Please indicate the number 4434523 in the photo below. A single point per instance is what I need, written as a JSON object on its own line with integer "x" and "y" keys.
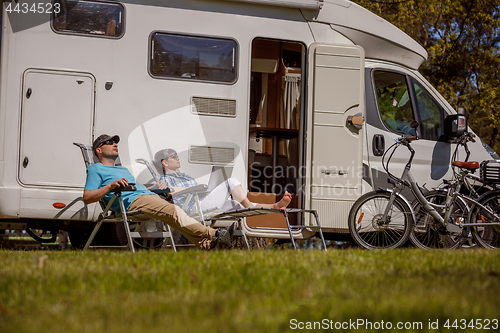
{"x": 35, "y": 8}
{"x": 462, "y": 324}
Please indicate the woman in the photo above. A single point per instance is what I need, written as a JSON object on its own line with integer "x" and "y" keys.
{"x": 167, "y": 161}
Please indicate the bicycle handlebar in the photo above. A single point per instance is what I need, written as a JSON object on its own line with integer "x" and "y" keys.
{"x": 405, "y": 140}
{"x": 466, "y": 137}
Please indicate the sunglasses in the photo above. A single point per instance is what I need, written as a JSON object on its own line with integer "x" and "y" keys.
{"x": 174, "y": 156}
{"x": 106, "y": 143}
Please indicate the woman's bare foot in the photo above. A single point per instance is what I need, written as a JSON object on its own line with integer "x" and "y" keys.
{"x": 284, "y": 202}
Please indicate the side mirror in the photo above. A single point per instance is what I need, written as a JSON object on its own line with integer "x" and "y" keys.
{"x": 455, "y": 125}
{"x": 462, "y": 111}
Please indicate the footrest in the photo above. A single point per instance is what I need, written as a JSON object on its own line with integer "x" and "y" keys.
{"x": 247, "y": 212}
{"x": 108, "y": 247}
{"x": 145, "y": 234}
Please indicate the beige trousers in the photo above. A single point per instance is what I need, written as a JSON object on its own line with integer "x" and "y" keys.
{"x": 157, "y": 208}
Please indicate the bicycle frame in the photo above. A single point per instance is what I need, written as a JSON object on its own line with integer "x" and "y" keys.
{"x": 428, "y": 206}
{"x": 451, "y": 196}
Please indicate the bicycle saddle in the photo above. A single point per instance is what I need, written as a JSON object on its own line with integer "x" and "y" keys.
{"x": 466, "y": 165}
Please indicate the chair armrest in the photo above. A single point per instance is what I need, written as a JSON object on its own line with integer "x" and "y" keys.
{"x": 193, "y": 189}
{"x": 129, "y": 187}
{"x": 158, "y": 191}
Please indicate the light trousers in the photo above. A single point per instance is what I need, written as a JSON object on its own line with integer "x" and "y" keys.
{"x": 157, "y": 208}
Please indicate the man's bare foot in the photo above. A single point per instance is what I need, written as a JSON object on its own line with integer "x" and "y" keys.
{"x": 284, "y": 202}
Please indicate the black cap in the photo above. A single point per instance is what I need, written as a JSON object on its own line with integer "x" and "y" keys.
{"x": 103, "y": 138}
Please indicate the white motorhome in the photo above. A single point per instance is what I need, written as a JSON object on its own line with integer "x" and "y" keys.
{"x": 273, "y": 89}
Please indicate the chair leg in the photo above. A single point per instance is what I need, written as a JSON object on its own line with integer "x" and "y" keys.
{"x": 92, "y": 235}
{"x": 172, "y": 242}
{"x": 289, "y": 230}
{"x": 320, "y": 231}
{"x": 125, "y": 224}
{"x": 246, "y": 240}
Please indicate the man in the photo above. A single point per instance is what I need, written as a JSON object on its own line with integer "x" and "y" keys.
{"x": 103, "y": 177}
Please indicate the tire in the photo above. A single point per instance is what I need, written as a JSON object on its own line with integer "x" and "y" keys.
{"x": 428, "y": 233}
{"x": 365, "y": 223}
{"x": 78, "y": 236}
{"x": 489, "y": 235}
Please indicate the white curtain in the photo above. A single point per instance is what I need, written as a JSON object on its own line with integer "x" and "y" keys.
{"x": 290, "y": 108}
{"x": 290, "y": 111}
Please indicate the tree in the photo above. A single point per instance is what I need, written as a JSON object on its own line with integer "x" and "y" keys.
{"x": 462, "y": 38}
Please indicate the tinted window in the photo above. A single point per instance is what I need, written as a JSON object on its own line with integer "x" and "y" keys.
{"x": 394, "y": 101}
{"x": 89, "y": 18}
{"x": 190, "y": 57}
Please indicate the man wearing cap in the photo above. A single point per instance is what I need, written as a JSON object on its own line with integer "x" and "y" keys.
{"x": 105, "y": 176}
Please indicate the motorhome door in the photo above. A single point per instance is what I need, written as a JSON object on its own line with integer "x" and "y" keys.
{"x": 57, "y": 110}
{"x": 336, "y": 107}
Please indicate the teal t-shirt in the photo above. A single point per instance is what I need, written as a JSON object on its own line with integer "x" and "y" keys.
{"x": 99, "y": 175}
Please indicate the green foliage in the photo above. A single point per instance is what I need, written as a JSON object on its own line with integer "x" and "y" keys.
{"x": 241, "y": 291}
{"x": 462, "y": 39}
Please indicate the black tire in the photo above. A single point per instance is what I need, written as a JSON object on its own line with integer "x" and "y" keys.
{"x": 366, "y": 227}
{"x": 78, "y": 236}
{"x": 489, "y": 235}
{"x": 428, "y": 233}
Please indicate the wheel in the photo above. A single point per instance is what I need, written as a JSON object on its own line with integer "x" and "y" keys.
{"x": 428, "y": 233}
{"x": 487, "y": 236}
{"x": 369, "y": 230}
{"x": 78, "y": 236}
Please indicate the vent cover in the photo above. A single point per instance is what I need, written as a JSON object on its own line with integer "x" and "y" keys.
{"x": 211, "y": 155}
{"x": 213, "y": 106}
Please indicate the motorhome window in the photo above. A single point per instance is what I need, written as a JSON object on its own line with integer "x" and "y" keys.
{"x": 394, "y": 101}
{"x": 92, "y": 18}
{"x": 193, "y": 58}
{"x": 429, "y": 113}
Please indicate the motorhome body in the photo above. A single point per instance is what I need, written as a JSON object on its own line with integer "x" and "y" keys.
{"x": 269, "y": 88}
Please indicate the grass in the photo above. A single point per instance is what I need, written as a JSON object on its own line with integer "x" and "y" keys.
{"x": 242, "y": 291}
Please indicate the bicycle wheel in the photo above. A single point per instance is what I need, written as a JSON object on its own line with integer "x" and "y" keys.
{"x": 369, "y": 230}
{"x": 428, "y": 233}
{"x": 487, "y": 236}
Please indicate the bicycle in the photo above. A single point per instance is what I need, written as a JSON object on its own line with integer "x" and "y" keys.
{"x": 429, "y": 233}
{"x": 383, "y": 219}
{"x": 484, "y": 216}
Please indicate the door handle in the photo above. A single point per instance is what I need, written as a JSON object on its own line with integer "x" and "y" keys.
{"x": 335, "y": 172}
{"x": 378, "y": 145}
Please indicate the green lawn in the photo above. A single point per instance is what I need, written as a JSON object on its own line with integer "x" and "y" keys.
{"x": 244, "y": 291}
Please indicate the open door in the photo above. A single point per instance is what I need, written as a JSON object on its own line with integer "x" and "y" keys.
{"x": 334, "y": 152}
{"x": 275, "y": 126}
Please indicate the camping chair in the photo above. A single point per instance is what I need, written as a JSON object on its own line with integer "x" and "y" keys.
{"x": 196, "y": 194}
{"x": 146, "y": 230}
{"x": 211, "y": 218}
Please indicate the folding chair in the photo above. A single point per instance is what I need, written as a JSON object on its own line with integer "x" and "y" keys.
{"x": 211, "y": 218}
{"x": 145, "y": 230}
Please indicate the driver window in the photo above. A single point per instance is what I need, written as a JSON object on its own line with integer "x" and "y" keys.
{"x": 394, "y": 102}
{"x": 430, "y": 114}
